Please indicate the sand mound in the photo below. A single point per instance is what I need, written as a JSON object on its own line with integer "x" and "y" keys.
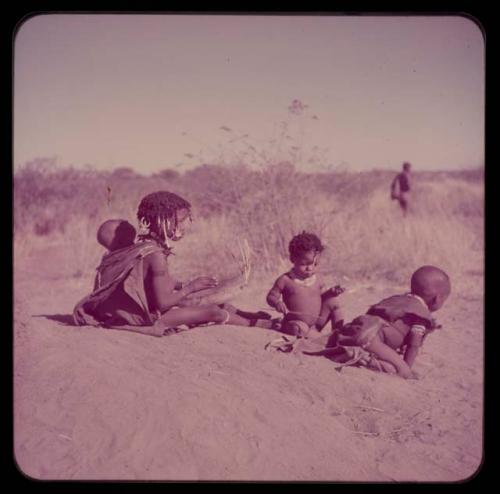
{"x": 212, "y": 404}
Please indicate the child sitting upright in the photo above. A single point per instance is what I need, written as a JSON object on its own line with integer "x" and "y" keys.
{"x": 300, "y": 295}
{"x": 134, "y": 289}
{"x": 393, "y": 330}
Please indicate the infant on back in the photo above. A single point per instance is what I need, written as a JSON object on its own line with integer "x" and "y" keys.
{"x": 116, "y": 234}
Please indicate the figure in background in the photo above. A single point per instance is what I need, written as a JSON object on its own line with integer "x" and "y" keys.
{"x": 400, "y": 187}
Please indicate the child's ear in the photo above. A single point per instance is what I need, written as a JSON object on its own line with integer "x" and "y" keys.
{"x": 437, "y": 301}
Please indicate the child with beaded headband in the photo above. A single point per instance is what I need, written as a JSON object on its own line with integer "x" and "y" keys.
{"x": 300, "y": 294}
{"x": 158, "y": 216}
{"x": 136, "y": 290}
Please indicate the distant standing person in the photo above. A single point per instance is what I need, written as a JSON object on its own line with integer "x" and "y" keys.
{"x": 400, "y": 187}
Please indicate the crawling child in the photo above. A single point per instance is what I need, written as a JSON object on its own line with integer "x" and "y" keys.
{"x": 300, "y": 295}
{"x": 393, "y": 330}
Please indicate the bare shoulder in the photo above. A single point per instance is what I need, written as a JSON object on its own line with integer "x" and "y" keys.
{"x": 156, "y": 262}
{"x": 282, "y": 280}
{"x": 279, "y": 284}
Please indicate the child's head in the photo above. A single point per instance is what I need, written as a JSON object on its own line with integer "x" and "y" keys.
{"x": 164, "y": 214}
{"x": 305, "y": 249}
{"x": 432, "y": 285}
{"x": 406, "y": 166}
{"x": 116, "y": 234}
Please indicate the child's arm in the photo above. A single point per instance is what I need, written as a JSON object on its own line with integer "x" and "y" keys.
{"x": 384, "y": 352}
{"x": 162, "y": 284}
{"x": 333, "y": 291}
{"x": 274, "y": 296}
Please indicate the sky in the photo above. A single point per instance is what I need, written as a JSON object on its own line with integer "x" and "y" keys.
{"x": 151, "y": 92}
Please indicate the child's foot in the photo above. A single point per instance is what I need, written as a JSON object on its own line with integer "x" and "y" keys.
{"x": 297, "y": 328}
{"x": 266, "y": 323}
{"x": 313, "y": 333}
{"x": 244, "y": 313}
{"x": 337, "y": 290}
{"x": 230, "y": 308}
{"x": 276, "y": 323}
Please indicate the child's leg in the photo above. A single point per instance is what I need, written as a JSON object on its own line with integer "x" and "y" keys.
{"x": 330, "y": 311}
{"x": 193, "y": 315}
{"x": 387, "y": 367}
{"x": 203, "y": 314}
{"x": 249, "y": 319}
{"x": 403, "y": 202}
{"x": 387, "y": 354}
{"x": 244, "y": 313}
{"x": 295, "y": 327}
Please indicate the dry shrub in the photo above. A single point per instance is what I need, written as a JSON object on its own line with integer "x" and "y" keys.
{"x": 365, "y": 233}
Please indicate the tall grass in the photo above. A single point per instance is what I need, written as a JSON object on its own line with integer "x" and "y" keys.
{"x": 60, "y": 209}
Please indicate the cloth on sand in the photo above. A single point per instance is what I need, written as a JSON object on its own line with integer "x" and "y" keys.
{"x": 119, "y": 300}
{"x": 342, "y": 350}
{"x": 340, "y": 355}
{"x": 347, "y": 346}
{"x": 408, "y": 307}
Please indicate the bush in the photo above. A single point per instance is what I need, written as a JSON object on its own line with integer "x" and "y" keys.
{"x": 364, "y": 231}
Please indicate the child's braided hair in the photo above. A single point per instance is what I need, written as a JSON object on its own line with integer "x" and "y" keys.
{"x": 163, "y": 204}
{"x": 304, "y": 242}
{"x": 158, "y": 208}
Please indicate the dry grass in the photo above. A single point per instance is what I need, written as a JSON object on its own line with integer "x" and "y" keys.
{"x": 364, "y": 231}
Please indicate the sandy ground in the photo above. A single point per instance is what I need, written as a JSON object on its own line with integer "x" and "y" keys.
{"x": 212, "y": 404}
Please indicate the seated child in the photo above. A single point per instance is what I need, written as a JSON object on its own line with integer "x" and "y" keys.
{"x": 300, "y": 295}
{"x": 134, "y": 289}
{"x": 394, "y": 329}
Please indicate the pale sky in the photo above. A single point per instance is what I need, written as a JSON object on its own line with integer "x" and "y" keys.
{"x": 148, "y": 91}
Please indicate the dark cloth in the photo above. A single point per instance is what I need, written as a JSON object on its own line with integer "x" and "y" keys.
{"x": 119, "y": 297}
{"x": 403, "y": 307}
{"x": 359, "y": 332}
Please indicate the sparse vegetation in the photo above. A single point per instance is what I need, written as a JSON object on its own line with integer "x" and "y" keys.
{"x": 264, "y": 194}
{"x": 364, "y": 231}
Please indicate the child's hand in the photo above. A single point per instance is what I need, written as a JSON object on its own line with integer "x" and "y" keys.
{"x": 336, "y": 290}
{"x": 201, "y": 283}
{"x": 281, "y": 307}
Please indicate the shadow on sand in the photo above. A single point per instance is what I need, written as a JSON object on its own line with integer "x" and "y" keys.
{"x": 66, "y": 319}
